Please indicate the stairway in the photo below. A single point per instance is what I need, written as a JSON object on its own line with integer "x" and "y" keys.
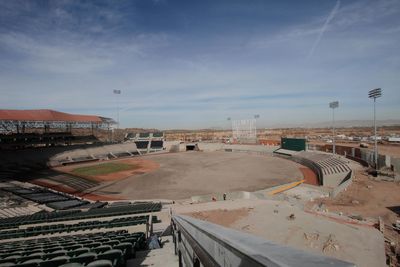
{"x": 156, "y": 257}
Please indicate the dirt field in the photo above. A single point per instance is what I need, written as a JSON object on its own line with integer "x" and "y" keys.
{"x": 268, "y": 219}
{"x": 182, "y": 175}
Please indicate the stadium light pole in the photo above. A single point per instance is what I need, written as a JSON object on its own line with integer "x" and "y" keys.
{"x": 256, "y": 116}
{"x": 333, "y": 105}
{"x": 375, "y": 93}
{"x": 117, "y": 92}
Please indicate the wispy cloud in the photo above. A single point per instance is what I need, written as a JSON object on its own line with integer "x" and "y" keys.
{"x": 194, "y": 65}
{"x": 324, "y": 27}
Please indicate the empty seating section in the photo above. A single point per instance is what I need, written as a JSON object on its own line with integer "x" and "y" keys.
{"x": 327, "y": 163}
{"x": 142, "y": 144}
{"x": 68, "y": 204}
{"x": 78, "y": 183}
{"x": 156, "y": 144}
{"x": 144, "y": 135}
{"x": 122, "y": 154}
{"x": 70, "y": 215}
{"x": 114, "y": 248}
{"x": 38, "y": 217}
{"x": 81, "y": 226}
{"x": 44, "y": 196}
{"x": 158, "y": 134}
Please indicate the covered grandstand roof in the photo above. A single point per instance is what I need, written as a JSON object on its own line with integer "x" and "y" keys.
{"x": 46, "y": 115}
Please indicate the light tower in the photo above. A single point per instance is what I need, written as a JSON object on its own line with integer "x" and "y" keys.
{"x": 256, "y": 116}
{"x": 333, "y": 105}
{"x": 375, "y": 93}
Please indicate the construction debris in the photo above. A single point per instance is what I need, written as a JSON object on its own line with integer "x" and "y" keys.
{"x": 330, "y": 244}
{"x": 291, "y": 217}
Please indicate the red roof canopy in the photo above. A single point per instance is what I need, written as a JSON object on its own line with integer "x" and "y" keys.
{"x": 45, "y": 115}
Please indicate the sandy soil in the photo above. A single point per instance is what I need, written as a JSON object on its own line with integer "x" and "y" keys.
{"x": 366, "y": 197}
{"x": 269, "y": 219}
{"x": 221, "y": 216}
{"x": 141, "y": 166}
{"x": 186, "y": 174}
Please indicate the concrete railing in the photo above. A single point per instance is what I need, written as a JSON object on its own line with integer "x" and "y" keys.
{"x": 200, "y": 243}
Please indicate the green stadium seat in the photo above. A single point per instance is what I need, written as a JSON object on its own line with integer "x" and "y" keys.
{"x": 127, "y": 250}
{"x": 12, "y": 258}
{"x": 78, "y": 252}
{"x": 72, "y": 264}
{"x": 100, "y": 263}
{"x": 31, "y": 263}
{"x": 93, "y": 245}
{"x": 7, "y": 264}
{"x": 113, "y": 255}
{"x": 112, "y": 243}
{"x": 101, "y": 249}
{"x": 57, "y": 261}
{"x": 56, "y": 254}
{"x": 84, "y": 258}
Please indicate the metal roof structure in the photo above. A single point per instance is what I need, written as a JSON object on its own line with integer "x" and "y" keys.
{"x": 13, "y": 120}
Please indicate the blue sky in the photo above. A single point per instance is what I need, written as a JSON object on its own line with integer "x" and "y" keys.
{"x": 192, "y": 64}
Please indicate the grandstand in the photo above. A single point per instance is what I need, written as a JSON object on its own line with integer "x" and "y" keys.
{"x": 147, "y": 142}
{"x": 33, "y": 128}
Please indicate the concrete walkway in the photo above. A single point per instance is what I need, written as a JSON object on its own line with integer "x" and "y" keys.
{"x": 157, "y": 257}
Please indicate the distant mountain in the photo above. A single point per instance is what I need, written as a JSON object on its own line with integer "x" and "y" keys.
{"x": 341, "y": 123}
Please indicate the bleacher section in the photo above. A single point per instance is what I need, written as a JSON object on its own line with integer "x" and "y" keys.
{"x": 81, "y": 226}
{"x": 51, "y": 199}
{"x": 142, "y": 144}
{"x": 80, "y": 184}
{"x": 327, "y": 163}
{"x": 93, "y": 249}
{"x": 70, "y": 215}
{"x": 332, "y": 171}
{"x": 94, "y": 154}
{"x": 23, "y": 140}
{"x": 147, "y": 142}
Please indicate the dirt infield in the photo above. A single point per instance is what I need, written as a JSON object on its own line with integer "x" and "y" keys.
{"x": 139, "y": 166}
{"x": 182, "y": 175}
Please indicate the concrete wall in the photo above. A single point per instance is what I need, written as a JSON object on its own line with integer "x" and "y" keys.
{"x": 343, "y": 186}
{"x": 176, "y": 146}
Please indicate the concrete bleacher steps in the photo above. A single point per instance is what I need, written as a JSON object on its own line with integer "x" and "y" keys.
{"x": 164, "y": 256}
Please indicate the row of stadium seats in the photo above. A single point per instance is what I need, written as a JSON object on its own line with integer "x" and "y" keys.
{"x": 62, "y": 228}
{"x": 80, "y": 184}
{"x": 113, "y": 247}
{"x": 18, "y": 211}
{"x": 44, "y": 196}
{"x": 70, "y": 215}
{"x": 328, "y": 163}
